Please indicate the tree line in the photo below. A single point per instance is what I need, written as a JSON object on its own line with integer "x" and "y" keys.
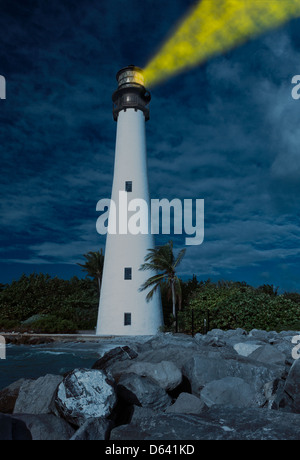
{"x": 40, "y": 303}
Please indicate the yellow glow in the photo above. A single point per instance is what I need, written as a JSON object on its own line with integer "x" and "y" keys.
{"x": 214, "y": 27}
{"x": 138, "y": 78}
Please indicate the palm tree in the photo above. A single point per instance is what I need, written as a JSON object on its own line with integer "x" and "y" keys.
{"x": 94, "y": 266}
{"x": 162, "y": 259}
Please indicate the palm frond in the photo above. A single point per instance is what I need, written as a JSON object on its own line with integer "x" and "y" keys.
{"x": 94, "y": 264}
{"x": 179, "y": 258}
{"x": 151, "y": 293}
{"x": 161, "y": 259}
{"x": 148, "y": 266}
{"x": 154, "y": 280}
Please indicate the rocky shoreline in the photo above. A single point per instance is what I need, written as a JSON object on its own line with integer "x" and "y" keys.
{"x": 19, "y": 338}
{"x": 223, "y": 385}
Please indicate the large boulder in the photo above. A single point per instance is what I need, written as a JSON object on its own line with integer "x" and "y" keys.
{"x": 274, "y": 393}
{"x": 85, "y": 394}
{"x": 201, "y": 370}
{"x": 229, "y": 391}
{"x": 37, "y": 396}
{"x": 13, "y": 430}
{"x": 229, "y": 338}
{"x": 9, "y": 396}
{"x": 113, "y": 356}
{"x": 284, "y": 345}
{"x": 218, "y": 423}
{"x": 268, "y": 354}
{"x": 187, "y": 404}
{"x": 162, "y": 340}
{"x": 165, "y": 373}
{"x": 261, "y": 335}
{"x": 142, "y": 391}
{"x": 139, "y": 412}
{"x": 245, "y": 348}
{"x": 94, "y": 429}
{"x": 176, "y": 354}
{"x": 168, "y": 347}
{"x": 46, "y": 427}
{"x": 292, "y": 386}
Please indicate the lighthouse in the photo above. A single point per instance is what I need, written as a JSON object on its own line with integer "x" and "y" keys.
{"x": 123, "y": 309}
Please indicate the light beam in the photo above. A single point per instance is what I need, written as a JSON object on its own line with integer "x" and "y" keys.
{"x": 214, "y": 27}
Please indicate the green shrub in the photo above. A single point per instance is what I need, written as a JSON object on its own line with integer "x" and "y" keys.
{"x": 64, "y": 306}
{"x": 237, "y": 305}
{"x": 8, "y": 325}
{"x": 51, "y": 324}
{"x": 74, "y": 300}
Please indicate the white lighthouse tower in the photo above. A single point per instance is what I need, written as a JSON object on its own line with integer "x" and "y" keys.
{"x": 123, "y": 309}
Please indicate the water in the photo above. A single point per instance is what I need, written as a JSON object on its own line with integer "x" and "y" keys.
{"x": 31, "y": 362}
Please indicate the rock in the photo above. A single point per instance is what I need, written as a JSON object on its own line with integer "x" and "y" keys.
{"x": 37, "y": 396}
{"x": 201, "y": 370}
{"x": 240, "y": 331}
{"x": 46, "y": 427}
{"x": 285, "y": 347}
{"x": 199, "y": 337}
{"x": 218, "y": 423}
{"x": 215, "y": 333}
{"x": 40, "y": 340}
{"x": 229, "y": 391}
{"x": 288, "y": 334}
{"x": 229, "y": 340}
{"x": 94, "y": 429}
{"x": 245, "y": 348}
{"x": 187, "y": 404}
{"x": 176, "y": 354}
{"x": 260, "y": 335}
{"x": 224, "y": 335}
{"x": 9, "y": 395}
{"x": 214, "y": 341}
{"x": 13, "y": 430}
{"x": 274, "y": 393}
{"x": 292, "y": 386}
{"x": 142, "y": 391}
{"x": 140, "y": 413}
{"x": 85, "y": 394}
{"x": 165, "y": 374}
{"x": 23, "y": 339}
{"x": 116, "y": 355}
{"x": 162, "y": 340}
{"x": 268, "y": 354}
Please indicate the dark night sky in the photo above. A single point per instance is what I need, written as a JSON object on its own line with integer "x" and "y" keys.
{"x": 227, "y": 131}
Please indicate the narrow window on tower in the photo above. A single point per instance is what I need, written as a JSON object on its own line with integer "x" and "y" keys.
{"x": 128, "y": 273}
{"x": 127, "y": 319}
{"x": 128, "y": 186}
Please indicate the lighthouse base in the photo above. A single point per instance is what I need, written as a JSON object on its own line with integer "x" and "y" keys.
{"x": 141, "y": 319}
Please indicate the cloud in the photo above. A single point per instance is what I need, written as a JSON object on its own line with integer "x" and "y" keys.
{"x": 226, "y": 132}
